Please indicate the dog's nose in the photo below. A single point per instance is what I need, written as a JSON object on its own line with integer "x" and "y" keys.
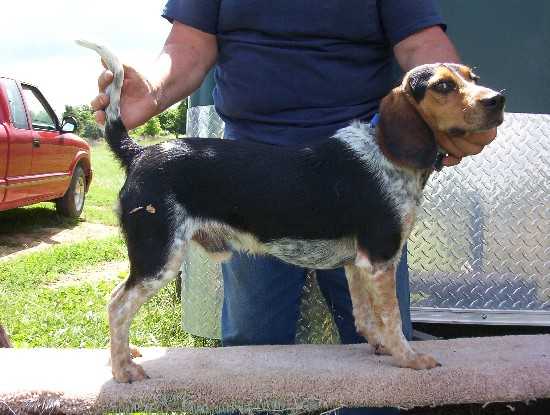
{"x": 494, "y": 102}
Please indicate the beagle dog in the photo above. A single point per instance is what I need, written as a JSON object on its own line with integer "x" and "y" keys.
{"x": 349, "y": 201}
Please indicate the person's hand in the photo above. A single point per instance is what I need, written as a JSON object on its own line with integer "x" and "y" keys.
{"x": 469, "y": 145}
{"x": 137, "y": 100}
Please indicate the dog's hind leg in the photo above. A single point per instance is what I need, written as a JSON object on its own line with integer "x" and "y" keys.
{"x": 124, "y": 304}
{"x": 163, "y": 263}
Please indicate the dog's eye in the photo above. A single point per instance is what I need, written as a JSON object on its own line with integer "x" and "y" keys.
{"x": 444, "y": 87}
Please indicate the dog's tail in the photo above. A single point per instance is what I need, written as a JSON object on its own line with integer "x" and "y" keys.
{"x": 125, "y": 149}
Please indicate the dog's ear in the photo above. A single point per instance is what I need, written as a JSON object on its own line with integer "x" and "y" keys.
{"x": 404, "y": 137}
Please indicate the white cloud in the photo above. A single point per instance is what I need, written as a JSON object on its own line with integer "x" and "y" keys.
{"x": 37, "y": 42}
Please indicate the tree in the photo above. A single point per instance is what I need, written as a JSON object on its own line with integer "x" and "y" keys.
{"x": 173, "y": 120}
{"x": 182, "y": 116}
{"x": 169, "y": 121}
{"x": 152, "y": 127}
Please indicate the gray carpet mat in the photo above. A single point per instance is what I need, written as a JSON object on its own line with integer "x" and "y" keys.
{"x": 299, "y": 378}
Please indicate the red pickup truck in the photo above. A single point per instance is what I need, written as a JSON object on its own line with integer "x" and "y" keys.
{"x": 40, "y": 159}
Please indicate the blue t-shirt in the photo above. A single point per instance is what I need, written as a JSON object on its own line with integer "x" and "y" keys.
{"x": 293, "y": 72}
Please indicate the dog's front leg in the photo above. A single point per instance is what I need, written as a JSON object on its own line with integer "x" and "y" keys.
{"x": 379, "y": 281}
{"x": 367, "y": 322}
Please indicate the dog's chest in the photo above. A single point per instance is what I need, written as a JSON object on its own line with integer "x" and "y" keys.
{"x": 405, "y": 191}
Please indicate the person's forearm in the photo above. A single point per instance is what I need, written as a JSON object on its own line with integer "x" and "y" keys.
{"x": 427, "y": 46}
{"x": 186, "y": 58}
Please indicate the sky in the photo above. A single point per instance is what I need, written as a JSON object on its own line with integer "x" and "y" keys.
{"x": 37, "y": 42}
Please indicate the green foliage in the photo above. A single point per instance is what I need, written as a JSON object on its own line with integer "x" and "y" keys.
{"x": 152, "y": 127}
{"x": 182, "y": 116}
{"x": 173, "y": 120}
{"x": 169, "y": 120}
{"x": 137, "y": 132}
{"x": 87, "y": 127}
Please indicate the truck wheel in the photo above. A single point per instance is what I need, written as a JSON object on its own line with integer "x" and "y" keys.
{"x": 72, "y": 203}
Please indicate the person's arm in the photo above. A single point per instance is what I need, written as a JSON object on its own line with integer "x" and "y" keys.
{"x": 432, "y": 45}
{"x": 186, "y": 58}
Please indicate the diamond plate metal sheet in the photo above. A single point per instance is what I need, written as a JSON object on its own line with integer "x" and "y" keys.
{"x": 483, "y": 239}
{"x": 203, "y": 121}
{"x": 202, "y": 284}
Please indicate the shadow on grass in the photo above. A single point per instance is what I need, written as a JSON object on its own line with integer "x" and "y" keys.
{"x": 26, "y": 227}
{"x": 33, "y": 217}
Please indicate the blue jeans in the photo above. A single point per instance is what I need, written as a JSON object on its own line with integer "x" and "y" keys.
{"x": 262, "y": 302}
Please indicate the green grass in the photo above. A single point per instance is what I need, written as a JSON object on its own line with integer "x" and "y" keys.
{"x": 108, "y": 179}
{"x": 38, "y": 313}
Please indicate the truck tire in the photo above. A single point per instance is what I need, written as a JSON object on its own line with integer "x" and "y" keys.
{"x": 4, "y": 339}
{"x": 72, "y": 203}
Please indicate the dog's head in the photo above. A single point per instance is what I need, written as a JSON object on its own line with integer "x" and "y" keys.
{"x": 434, "y": 100}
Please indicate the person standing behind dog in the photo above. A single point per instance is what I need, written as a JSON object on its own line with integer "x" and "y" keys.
{"x": 291, "y": 73}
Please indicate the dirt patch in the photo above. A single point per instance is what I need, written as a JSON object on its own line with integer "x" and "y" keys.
{"x": 15, "y": 244}
{"x": 107, "y": 271}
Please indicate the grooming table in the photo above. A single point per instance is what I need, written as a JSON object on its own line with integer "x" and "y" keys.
{"x": 299, "y": 378}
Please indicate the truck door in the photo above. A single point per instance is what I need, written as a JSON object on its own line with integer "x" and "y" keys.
{"x": 50, "y": 159}
{"x": 18, "y": 130}
{"x": 3, "y": 158}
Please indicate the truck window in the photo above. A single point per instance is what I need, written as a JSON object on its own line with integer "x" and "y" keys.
{"x": 40, "y": 118}
{"x": 18, "y": 117}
